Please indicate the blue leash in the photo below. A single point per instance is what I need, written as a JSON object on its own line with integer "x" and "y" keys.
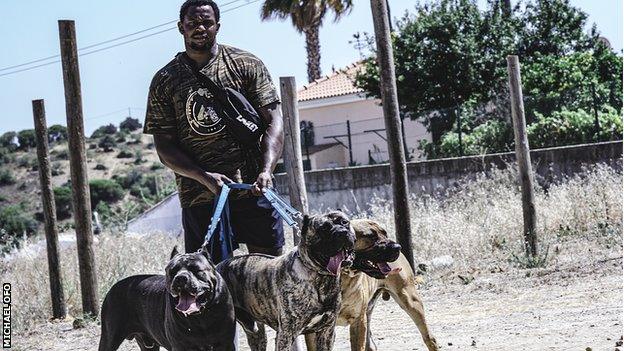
{"x": 285, "y": 211}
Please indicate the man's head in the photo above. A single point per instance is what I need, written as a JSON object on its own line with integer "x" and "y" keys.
{"x": 199, "y": 24}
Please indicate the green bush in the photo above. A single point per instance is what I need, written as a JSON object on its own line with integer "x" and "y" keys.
{"x": 105, "y": 190}
{"x": 104, "y": 130}
{"x": 57, "y": 133}
{"x": 6, "y": 177}
{"x": 7, "y": 141}
{"x": 130, "y": 124}
{"x": 15, "y": 221}
{"x": 62, "y": 154}
{"x": 100, "y": 167}
{"x": 107, "y": 143}
{"x": 63, "y": 202}
{"x": 6, "y": 156}
{"x": 129, "y": 179}
{"x": 57, "y": 169}
{"x": 26, "y": 139}
{"x": 124, "y": 153}
{"x": 156, "y": 166}
{"x": 26, "y": 161}
{"x": 574, "y": 127}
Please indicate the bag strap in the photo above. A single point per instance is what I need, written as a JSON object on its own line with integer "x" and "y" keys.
{"x": 285, "y": 211}
{"x": 214, "y": 89}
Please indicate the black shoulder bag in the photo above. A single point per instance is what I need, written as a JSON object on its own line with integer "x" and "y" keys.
{"x": 240, "y": 117}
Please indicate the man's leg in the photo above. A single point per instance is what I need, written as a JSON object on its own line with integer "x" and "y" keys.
{"x": 195, "y": 222}
{"x": 257, "y": 224}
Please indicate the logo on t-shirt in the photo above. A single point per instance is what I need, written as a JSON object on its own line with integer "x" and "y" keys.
{"x": 201, "y": 114}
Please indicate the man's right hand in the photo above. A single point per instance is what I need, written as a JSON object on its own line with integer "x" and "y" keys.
{"x": 214, "y": 181}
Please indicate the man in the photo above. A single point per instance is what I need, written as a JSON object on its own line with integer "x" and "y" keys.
{"x": 192, "y": 139}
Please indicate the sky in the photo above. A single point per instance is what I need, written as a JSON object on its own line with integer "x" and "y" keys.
{"x": 115, "y": 81}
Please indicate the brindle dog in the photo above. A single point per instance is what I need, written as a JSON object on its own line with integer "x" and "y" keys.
{"x": 296, "y": 293}
{"x": 188, "y": 309}
{"x": 371, "y": 275}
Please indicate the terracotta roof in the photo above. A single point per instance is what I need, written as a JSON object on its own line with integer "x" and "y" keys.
{"x": 336, "y": 84}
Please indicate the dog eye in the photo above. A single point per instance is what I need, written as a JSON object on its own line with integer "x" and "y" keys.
{"x": 344, "y": 222}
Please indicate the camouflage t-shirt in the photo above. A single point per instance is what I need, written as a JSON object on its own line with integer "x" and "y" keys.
{"x": 178, "y": 105}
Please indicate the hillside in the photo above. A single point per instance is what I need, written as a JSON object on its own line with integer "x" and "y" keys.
{"x": 123, "y": 164}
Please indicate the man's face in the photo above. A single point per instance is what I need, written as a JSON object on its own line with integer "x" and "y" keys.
{"x": 199, "y": 28}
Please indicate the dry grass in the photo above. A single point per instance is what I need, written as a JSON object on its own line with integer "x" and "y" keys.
{"x": 479, "y": 224}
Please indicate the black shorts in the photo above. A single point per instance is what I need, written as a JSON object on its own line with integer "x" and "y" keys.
{"x": 254, "y": 222}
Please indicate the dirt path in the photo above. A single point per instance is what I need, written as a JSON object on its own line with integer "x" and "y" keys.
{"x": 564, "y": 308}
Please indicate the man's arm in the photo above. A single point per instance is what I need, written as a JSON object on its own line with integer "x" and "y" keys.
{"x": 172, "y": 156}
{"x": 271, "y": 146}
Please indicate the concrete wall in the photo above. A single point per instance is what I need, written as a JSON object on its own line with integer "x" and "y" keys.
{"x": 352, "y": 188}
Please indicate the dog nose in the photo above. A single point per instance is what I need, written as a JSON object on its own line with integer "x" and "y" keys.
{"x": 180, "y": 280}
{"x": 395, "y": 246}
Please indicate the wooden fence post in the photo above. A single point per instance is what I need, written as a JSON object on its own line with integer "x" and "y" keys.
{"x": 59, "y": 309}
{"x": 390, "y": 101}
{"x": 522, "y": 155}
{"x": 292, "y": 147}
{"x": 78, "y": 167}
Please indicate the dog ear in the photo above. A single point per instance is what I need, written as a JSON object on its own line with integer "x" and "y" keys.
{"x": 206, "y": 252}
{"x": 174, "y": 252}
{"x": 306, "y": 224}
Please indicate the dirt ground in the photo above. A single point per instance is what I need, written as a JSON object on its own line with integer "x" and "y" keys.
{"x": 556, "y": 308}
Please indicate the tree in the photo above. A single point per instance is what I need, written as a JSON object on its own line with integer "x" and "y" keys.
{"x": 104, "y": 130}
{"x": 449, "y": 52}
{"x": 57, "y": 132}
{"x": 26, "y": 139}
{"x": 130, "y": 124}
{"x": 105, "y": 190}
{"x": 7, "y": 141}
{"x": 307, "y": 17}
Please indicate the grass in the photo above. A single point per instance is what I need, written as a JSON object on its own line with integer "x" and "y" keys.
{"x": 478, "y": 224}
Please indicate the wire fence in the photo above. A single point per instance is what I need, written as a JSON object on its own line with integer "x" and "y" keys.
{"x": 581, "y": 114}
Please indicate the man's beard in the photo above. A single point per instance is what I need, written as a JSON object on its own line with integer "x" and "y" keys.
{"x": 201, "y": 47}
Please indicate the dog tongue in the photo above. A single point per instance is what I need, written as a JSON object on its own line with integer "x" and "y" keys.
{"x": 334, "y": 263}
{"x": 386, "y": 269}
{"x": 187, "y": 304}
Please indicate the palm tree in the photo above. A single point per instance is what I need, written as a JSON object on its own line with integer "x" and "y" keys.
{"x": 307, "y": 17}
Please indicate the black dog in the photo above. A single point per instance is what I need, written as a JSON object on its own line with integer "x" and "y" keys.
{"x": 189, "y": 308}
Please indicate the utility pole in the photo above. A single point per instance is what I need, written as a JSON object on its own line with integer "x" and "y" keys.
{"x": 351, "y": 163}
{"x": 59, "y": 309}
{"x": 522, "y": 155}
{"x": 78, "y": 167}
{"x": 292, "y": 147}
{"x": 389, "y": 98}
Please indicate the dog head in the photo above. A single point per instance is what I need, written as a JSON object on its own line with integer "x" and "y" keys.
{"x": 327, "y": 240}
{"x": 191, "y": 280}
{"x": 373, "y": 249}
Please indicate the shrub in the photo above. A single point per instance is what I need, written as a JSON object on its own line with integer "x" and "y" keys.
{"x": 57, "y": 133}
{"x": 63, "y": 202}
{"x": 25, "y": 161}
{"x": 15, "y": 221}
{"x": 104, "y": 130}
{"x": 124, "y": 153}
{"x": 128, "y": 180}
{"x": 100, "y": 167}
{"x": 6, "y": 156}
{"x": 135, "y": 139}
{"x": 156, "y": 166}
{"x": 130, "y": 124}
{"x": 574, "y": 127}
{"x": 7, "y": 141}
{"x": 26, "y": 139}
{"x": 6, "y": 177}
{"x": 105, "y": 190}
{"x": 62, "y": 154}
{"x": 57, "y": 169}
{"x": 107, "y": 143}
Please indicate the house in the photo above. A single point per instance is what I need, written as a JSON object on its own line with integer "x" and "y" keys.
{"x": 341, "y": 126}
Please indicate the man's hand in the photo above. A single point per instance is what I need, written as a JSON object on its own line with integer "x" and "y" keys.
{"x": 264, "y": 181}
{"x": 215, "y": 181}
